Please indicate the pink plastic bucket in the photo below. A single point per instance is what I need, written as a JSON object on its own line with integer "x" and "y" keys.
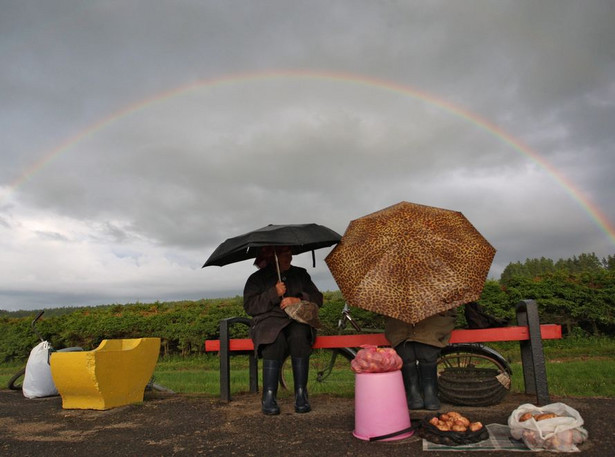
{"x": 380, "y": 407}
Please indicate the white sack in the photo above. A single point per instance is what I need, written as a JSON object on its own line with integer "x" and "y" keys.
{"x": 38, "y": 381}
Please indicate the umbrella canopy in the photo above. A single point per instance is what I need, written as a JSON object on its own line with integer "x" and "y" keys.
{"x": 411, "y": 261}
{"x": 300, "y": 237}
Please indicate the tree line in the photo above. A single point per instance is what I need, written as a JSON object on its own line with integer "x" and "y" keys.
{"x": 532, "y": 268}
{"x": 578, "y": 293}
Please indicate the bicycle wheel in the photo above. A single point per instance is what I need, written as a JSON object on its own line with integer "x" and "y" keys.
{"x": 16, "y": 381}
{"x": 473, "y": 377}
{"x": 323, "y": 362}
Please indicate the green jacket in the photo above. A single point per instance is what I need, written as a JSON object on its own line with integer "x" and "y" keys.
{"x": 434, "y": 330}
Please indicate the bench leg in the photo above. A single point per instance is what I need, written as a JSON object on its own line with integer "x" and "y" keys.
{"x": 225, "y": 362}
{"x": 532, "y": 354}
{"x": 253, "y": 373}
{"x": 225, "y": 359}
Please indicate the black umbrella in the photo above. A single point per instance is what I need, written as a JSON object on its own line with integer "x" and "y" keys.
{"x": 300, "y": 237}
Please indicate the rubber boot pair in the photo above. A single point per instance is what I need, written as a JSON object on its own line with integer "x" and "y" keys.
{"x": 271, "y": 376}
{"x": 421, "y": 385}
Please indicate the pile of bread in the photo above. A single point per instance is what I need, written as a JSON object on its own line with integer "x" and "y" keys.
{"x": 537, "y": 417}
{"x": 454, "y": 422}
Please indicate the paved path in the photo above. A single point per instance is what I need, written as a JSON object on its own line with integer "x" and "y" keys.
{"x": 180, "y": 425}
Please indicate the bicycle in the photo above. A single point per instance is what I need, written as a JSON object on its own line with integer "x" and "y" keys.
{"x": 323, "y": 373}
{"x": 16, "y": 381}
{"x": 324, "y": 370}
{"x": 468, "y": 373}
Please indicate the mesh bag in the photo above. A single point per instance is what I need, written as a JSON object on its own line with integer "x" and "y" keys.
{"x": 305, "y": 312}
{"x": 372, "y": 359}
{"x": 561, "y": 431}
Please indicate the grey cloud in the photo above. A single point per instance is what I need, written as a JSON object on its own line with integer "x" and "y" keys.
{"x": 50, "y": 236}
{"x": 151, "y": 183}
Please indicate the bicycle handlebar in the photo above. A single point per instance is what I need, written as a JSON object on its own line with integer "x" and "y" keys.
{"x": 347, "y": 317}
{"x": 34, "y": 325}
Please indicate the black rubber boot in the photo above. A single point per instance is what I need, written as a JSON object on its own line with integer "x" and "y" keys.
{"x": 271, "y": 375}
{"x": 429, "y": 381}
{"x": 410, "y": 373}
{"x": 301, "y": 368}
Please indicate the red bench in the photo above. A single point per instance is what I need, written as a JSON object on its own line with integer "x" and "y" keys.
{"x": 529, "y": 333}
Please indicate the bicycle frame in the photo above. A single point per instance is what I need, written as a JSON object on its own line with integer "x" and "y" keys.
{"x": 478, "y": 349}
{"x": 347, "y": 353}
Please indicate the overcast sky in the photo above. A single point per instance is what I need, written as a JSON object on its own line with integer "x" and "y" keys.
{"x": 137, "y": 136}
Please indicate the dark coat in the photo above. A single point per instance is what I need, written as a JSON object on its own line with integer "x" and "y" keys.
{"x": 261, "y": 301}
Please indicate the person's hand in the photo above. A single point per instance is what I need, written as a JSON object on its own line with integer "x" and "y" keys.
{"x": 280, "y": 288}
{"x": 289, "y": 301}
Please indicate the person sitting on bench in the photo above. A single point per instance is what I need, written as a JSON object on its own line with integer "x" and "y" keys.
{"x": 419, "y": 346}
{"x": 274, "y": 333}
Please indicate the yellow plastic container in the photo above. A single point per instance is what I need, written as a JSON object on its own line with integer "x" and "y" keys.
{"x": 114, "y": 374}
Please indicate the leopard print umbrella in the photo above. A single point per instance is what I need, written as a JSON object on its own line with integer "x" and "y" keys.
{"x": 411, "y": 261}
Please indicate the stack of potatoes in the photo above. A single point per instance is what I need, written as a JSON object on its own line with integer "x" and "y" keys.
{"x": 454, "y": 422}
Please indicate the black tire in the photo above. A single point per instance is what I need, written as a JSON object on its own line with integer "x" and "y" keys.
{"x": 474, "y": 354}
{"x": 16, "y": 381}
{"x": 471, "y": 379}
{"x": 471, "y": 387}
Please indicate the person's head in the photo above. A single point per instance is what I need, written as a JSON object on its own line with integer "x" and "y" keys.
{"x": 266, "y": 257}
{"x": 285, "y": 257}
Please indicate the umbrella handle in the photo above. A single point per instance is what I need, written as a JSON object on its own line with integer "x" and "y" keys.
{"x": 277, "y": 265}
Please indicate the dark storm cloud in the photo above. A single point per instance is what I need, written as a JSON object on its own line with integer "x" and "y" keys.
{"x": 120, "y": 193}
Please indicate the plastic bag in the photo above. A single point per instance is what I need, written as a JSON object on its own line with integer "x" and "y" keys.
{"x": 37, "y": 380}
{"x": 558, "y": 434}
{"x": 372, "y": 359}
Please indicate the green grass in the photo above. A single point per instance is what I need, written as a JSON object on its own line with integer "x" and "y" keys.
{"x": 7, "y": 371}
{"x": 200, "y": 375}
{"x": 576, "y": 367}
{"x": 575, "y": 378}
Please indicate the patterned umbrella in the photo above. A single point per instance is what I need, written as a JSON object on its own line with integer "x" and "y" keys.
{"x": 411, "y": 261}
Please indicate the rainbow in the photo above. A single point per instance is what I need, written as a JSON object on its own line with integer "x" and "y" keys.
{"x": 576, "y": 194}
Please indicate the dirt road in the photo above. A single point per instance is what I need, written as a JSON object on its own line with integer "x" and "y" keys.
{"x": 180, "y": 425}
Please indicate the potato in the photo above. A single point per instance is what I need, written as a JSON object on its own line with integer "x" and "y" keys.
{"x": 474, "y": 426}
{"x": 443, "y": 426}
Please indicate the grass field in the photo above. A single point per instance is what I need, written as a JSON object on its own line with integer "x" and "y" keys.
{"x": 576, "y": 367}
